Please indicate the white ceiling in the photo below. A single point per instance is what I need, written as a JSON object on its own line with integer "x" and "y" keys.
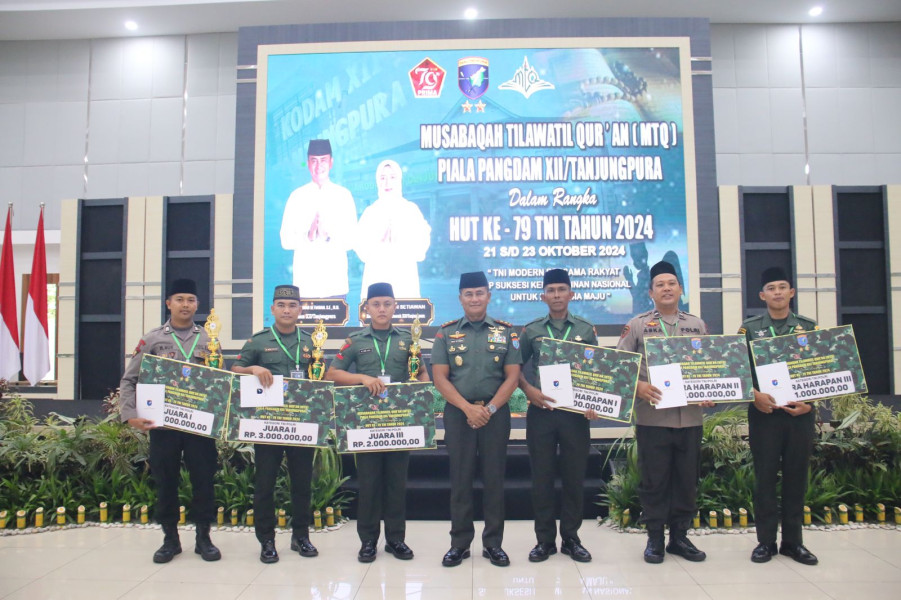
{"x": 78, "y": 19}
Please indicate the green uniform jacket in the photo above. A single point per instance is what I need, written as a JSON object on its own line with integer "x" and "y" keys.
{"x": 762, "y": 326}
{"x": 476, "y": 354}
{"x": 575, "y": 329}
{"x": 263, "y": 350}
{"x": 362, "y": 349}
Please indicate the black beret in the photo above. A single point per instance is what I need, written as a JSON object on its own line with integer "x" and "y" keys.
{"x": 286, "y": 292}
{"x": 380, "y": 290}
{"x": 774, "y": 274}
{"x": 555, "y": 276}
{"x": 319, "y": 148}
{"x": 181, "y": 286}
{"x": 662, "y": 268}
{"x": 473, "y": 280}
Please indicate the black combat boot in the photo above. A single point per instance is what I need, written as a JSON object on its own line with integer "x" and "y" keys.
{"x": 204, "y": 546}
{"x": 171, "y": 545}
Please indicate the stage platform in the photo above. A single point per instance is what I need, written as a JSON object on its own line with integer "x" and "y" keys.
{"x": 115, "y": 563}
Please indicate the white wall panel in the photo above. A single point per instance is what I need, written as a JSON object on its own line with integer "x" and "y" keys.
{"x": 885, "y": 55}
{"x": 133, "y": 176}
{"x": 12, "y": 124}
{"x": 40, "y": 133}
{"x": 852, "y": 55}
{"x": 201, "y": 128}
{"x": 137, "y": 68}
{"x": 750, "y": 56}
{"x": 71, "y": 122}
{"x": 134, "y": 131}
{"x": 818, "y": 43}
{"x": 10, "y": 184}
{"x": 787, "y": 120}
{"x": 783, "y": 59}
{"x": 200, "y": 177}
{"x": 757, "y": 169}
{"x": 754, "y": 126}
{"x": 725, "y": 120}
{"x": 166, "y": 129}
{"x": 103, "y": 181}
{"x": 886, "y": 114}
{"x": 168, "y": 67}
{"x": 722, "y": 49}
{"x": 74, "y": 65}
{"x": 106, "y": 69}
{"x": 103, "y": 140}
{"x": 203, "y": 65}
{"x": 164, "y": 178}
{"x": 226, "y": 113}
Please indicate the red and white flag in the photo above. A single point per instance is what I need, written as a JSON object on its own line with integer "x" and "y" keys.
{"x": 10, "y": 362}
{"x": 36, "y": 342}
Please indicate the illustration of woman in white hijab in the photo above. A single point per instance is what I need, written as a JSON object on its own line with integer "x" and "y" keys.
{"x": 392, "y": 235}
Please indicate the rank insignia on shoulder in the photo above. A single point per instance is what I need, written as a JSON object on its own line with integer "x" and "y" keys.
{"x": 504, "y": 323}
{"x": 451, "y": 322}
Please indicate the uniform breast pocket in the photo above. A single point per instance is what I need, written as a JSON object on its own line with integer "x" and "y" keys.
{"x": 498, "y": 351}
{"x": 270, "y": 358}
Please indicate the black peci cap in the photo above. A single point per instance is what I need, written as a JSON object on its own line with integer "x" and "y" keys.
{"x": 181, "y": 286}
{"x": 319, "y": 148}
{"x": 473, "y": 280}
{"x": 774, "y": 274}
{"x": 286, "y": 292}
{"x": 380, "y": 290}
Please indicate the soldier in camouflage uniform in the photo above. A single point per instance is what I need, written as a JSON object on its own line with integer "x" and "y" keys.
{"x": 180, "y": 339}
{"x": 283, "y": 349}
{"x": 379, "y": 353}
{"x": 476, "y": 364}
{"x": 779, "y": 435}
{"x": 546, "y": 428}
{"x": 669, "y": 440}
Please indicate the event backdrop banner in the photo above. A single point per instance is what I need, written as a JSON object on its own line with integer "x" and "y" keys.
{"x": 508, "y": 156}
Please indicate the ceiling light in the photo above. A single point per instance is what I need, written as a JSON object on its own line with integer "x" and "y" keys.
{"x": 470, "y": 13}
{"x": 131, "y": 25}
{"x": 816, "y": 11}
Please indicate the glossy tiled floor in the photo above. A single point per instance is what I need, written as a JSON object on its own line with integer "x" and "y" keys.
{"x": 96, "y": 564}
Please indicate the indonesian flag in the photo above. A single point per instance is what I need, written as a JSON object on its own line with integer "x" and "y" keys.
{"x": 36, "y": 349}
{"x": 9, "y": 326}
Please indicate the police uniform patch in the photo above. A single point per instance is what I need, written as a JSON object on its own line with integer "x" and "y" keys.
{"x": 140, "y": 345}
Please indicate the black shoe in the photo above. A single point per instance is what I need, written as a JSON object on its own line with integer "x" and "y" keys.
{"x": 303, "y": 546}
{"x": 681, "y": 546}
{"x": 497, "y": 556}
{"x": 399, "y": 550}
{"x": 542, "y": 551}
{"x": 575, "y": 550}
{"x": 268, "y": 553}
{"x": 763, "y": 552}
{"x": 367, "y": 552}
{"x": 653, "y": 552}
{"x": 171, "y": 545}
{"x": 454, "y": 556}
{"x": 798, "y": 553}
{"x": 204, "y": 546}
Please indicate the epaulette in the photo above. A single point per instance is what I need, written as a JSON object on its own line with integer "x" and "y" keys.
{"x": 261, "y": 332}
{"x": 357, "y": 333}
{"x": 451, "y": 322}
{"x": 536, "y": 320}
{"x": 584, "y": 320}
{"x": 505, "y": 323}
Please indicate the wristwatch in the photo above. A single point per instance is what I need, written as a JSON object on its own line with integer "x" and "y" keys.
{"x": 491, "y": 409}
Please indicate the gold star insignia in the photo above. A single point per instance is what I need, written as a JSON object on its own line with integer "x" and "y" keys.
{"x": 480, "y": 107}
{"x": 467, "y": 107}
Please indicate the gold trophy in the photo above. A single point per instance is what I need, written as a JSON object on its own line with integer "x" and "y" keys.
{"x": 414, "y": 363}
{"x": 213, "y": 327}
{"x": 317, "y": 367}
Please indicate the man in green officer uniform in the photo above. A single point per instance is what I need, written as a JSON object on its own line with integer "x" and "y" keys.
{"x": 285, "y": 350}
{"x": 380, "y": 354}
{"x": 476, "y": 363}
{"x": 547, "y": 428}
{"x": 779, "y": 435}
